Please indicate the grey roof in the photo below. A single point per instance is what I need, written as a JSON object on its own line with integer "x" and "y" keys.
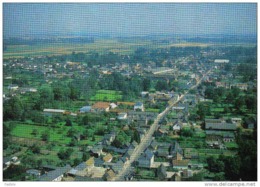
{"x": 97, "y": 149}
{"x": 98, "y": 162}
{"x": 81, "y": 166}
{"x": 33, "y": 172}
{"x": 176, "y": 148}
{"x": 149, "y": 154}
{"x": 55, "y": 173}
{"x": 80, "y": 178}
{"x": 118, "y": 166}
{"x": 220, "y": 126}
{"x": 221, "y": 133}
{"x": 129, "y": 152}
{"x": 162, "y": 151}
{"x": 85, "y": 109}
{"x": 139, "y": 104}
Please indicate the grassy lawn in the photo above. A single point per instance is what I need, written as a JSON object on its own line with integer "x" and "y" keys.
{"x": 58, "y": 135}
{"x": 107, "y": 95}
{"x": 231, "y": 145}
{"x": 152, "y": 110}
{"x": 217, "y": 109}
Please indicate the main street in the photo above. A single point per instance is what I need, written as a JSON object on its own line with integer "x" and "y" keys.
{"x": 149, "y": 135}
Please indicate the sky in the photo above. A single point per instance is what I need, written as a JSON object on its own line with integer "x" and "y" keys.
{"x": 128, "y": 19}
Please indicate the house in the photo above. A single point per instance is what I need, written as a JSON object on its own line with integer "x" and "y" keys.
{"x": 109, "y": 138}
{"x": 85, "y": 109}
{"x": 90, "y": 163}
{"x": 108, "y": 158}
{"x": 113, "y": 105}
{"x": 176, "y": 149}
{"x": 163, "y": 149}
{"x": 154, "y": 145}
{"x": 96, "y": 151}
{"x": 236, "y": 120}
{"x": 33, "y": 172}
{"x": 122, "y": 116}
{"x": 98, "y": 162}
{"x": 139, "y": 106}
{"x": 101, "y": 106}
{"x": 221, "y": 61}
{"x": 177, "y": 126}
{"x": 186, "y": 173}
{"x": 176, "y": 177}
{"x": 161, "y": 172}
{"x": 55, "y": 175}
{"x": 241, "y": 86}
{"x": 144, "y": 94}
{"x": 7, "y": 161}
{"x": 109, "y": 175}
{"x": 117, "y": 167}
{"x": 13, "y": 87}
{"x": 180, "y": 164}
{"x": 218, "y": 124}
{"x": 79, "y": 170}
{"x": 146, "y": 160}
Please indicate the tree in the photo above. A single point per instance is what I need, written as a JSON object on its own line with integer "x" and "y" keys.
{"x": 137, "y": 136}
{"x": 35, "y": 149}
{"x": 232, "y": 167}
{"x": 45, "y": 136}
{"x": 209, "y": 92}
{"x": 146, "y": 84}
{"x": 65, "y": 154}
{"x": 13, "y": 109}
{"x": 35, "y": 132}
{"x": 161, "y": 172}
{"x": 187, "y": 132}
{"x": 85, "y": 156}
{"x": 73, "y": 142}
{"x": 68, "y": 122}
{"x": 72, "y": 132}
{"x": 85, "y": 120}
{"x": 219, "y": 176}
{"x": 161, "y": 85}
{"x": 202, "y": 111}
{"x": 14, "y": 173}
{"x": 215, "y": 165}
{"x": 46, "y": 95}
{"x": 76, "y": 161}
{"x": 121, "y": 139}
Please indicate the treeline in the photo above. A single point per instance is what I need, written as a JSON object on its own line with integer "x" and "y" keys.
{"x": 36, "y": 41}
{"x": 240, "y": 167}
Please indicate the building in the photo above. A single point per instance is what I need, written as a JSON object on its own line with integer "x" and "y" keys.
{"x": 217, "y": 129}
{"x": 146, "y": 160}
{"x": 161, "y": 70}
{"x": 50, "y": 112}
{"x": 221, "y": 61}
{"x": 33, "y": 172}
{"x": 85, "y": 109}
{"x": 122, "y": 116}
{"x": 139, "y": 106}
{"x": 55, "y": 175}
{"x": 180, "y": 164}
{"x": 108, "y": 158}
{"x": 101, "y": 106}
{"x": 13, "y": 87}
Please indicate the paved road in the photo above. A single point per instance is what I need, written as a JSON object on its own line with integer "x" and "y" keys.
{"x": 149, "y": 135}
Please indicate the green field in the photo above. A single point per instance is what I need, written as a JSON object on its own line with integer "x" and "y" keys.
{"x": 107, "y": 95}
{"x": 101, "y": 46}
